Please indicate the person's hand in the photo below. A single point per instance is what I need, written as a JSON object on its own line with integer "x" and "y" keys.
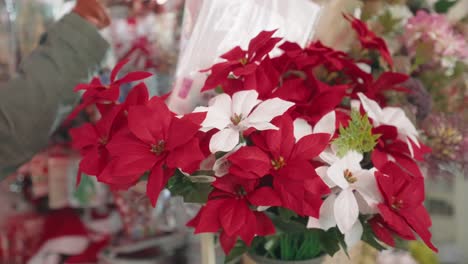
{"x": 93, "y": 11}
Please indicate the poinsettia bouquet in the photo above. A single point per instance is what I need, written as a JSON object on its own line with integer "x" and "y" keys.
{"x": 297, "y": 150}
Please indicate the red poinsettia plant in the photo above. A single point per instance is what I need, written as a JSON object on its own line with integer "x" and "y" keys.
{"x": 302, "y": 143}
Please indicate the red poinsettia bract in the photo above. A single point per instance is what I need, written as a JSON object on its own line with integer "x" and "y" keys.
{"x": 229, "y": 209}
{"x": 369, "y": 40}
{"x": 244, "y": 64}
{"x": 98, "y": 93}
{"x": 402, "y": 210}
{"x": 288, "y": 162}
{"x": 157, "y": 142}
{"x": 91, "y": 141}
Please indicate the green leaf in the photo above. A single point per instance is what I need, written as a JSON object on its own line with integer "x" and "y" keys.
{"x": 368, "y": 236}
{"x": 219, "y": 89}
{"x": 191, "y": 192}
{"x": 289, "y": 226}
{"x": 286, "y": 214}
{"x": 239, "y": 249}
{"x": 85, "y": 190}
{"x": 329, "y": 241}
{"x": 443, "y": 6}
{"x": 357, "y": 136}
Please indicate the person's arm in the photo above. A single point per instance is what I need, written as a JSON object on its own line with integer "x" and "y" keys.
{"x": 71, "y": 51}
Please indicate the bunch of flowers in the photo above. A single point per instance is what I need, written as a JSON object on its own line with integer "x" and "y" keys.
{"x": 304, "y": 138}
{"x": 434, "y": 34}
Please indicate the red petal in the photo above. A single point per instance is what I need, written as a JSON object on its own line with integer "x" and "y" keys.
{"x": 396, "y": 222}
{"x": 259, "y": 41}
{"x": 207, "y": 220}
{"x": 236, "y": 54}
{"x": 133, "y": 77}
{"x": 157, "y": 181}
{"x": 117, "y": 69}
{"x": 419, "y": 219}
{"x": 143, "y": 122}
{"x": 94, "y": 162}
{"x": 312, "y": 204}
{"x": 245, "y": 70}
{"x": 265, "y": 49}
{"x": 309, "y": 147}
{"x": 227, "y": 242}
{"x": 248, "y": 231}
{"x": 138, "y": 95}
{"x": 315, "y": 185}
{"x": 280, "y": 142}
{"x": 297, "y": 170}
{"x": 84, "y": 136}
{"x": 381, "y": 231}
{"x": 181, "y": 131}
{"x": 116, "y": 173}
{"x": 264, "y": 196}
{"x": 233, "y": 215}
{"x": 251, "y": 159}
{"x": 186, "y": 157}
{"x": 264, "y": 225}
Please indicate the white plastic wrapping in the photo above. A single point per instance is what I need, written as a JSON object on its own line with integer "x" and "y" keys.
{"x": 221, "y": 25}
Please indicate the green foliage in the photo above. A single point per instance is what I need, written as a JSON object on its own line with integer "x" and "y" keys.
{"x": 294, "y": 246}
{"x": 192, "y": 192}
{"x": 85, "y": 190}
{"x": 357, "y": 136}
{"x": 330, "y": 240}
{"x": 239, "y": 249}
{"x": 388, "y": 22}
{"x": 443, "y": 6}
{"x": 368, "y": 236}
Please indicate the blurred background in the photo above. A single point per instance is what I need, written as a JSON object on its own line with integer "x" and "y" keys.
{"x": 41, "y": 203}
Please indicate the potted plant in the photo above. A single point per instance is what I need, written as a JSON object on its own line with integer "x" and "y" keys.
{"x": 296, "y": 156}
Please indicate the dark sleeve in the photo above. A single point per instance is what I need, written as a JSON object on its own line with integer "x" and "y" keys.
{"x": 69, "y": 54}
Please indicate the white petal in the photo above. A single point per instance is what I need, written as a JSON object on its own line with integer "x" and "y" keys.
{"x": 396, "y": 117}
{"x": 261, "y": 126}
{"x": 201, "y": 109}
{"x": 364, "y": 207}
{"x": 221, "y": 166}
{"x": 202, "y": 179}
{"x": 372, "y": 108}
{"x": 225, "y": 140}
{"x": 313, "y": 223}
{"x": 352, "y": 160}
{"x": 327, "y": 213}
{"x": 346, "y": 210}
{"x": 329, "y": 156}
{"x": 410, "y": 147}
{"x": 355, "y": 105}
{"x": 262, "y": 208}
{"x": 336, "y": 173}
{"x": 208, "y": 163}
{"x": 268, "y": 110}
{"x": 243, "y": 102}
{"x": 327, "y": 124}
{"x": 219, "y": 114}
{"x": 366, "y": 185}
{"x": 364, "y": 67}
{"x": 322, "y": 172}
{"x": 301, "y": 128}
{"x": 354, "y": 235}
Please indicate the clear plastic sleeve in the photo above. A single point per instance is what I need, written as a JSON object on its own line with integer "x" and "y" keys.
{"x": 220, "y": 25}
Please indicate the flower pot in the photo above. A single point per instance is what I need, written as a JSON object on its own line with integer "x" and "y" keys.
{"x": 255, "y": 259}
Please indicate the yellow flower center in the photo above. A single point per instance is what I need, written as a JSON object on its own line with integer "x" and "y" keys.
{"x": 236, "y": 119}
{"x": 348, "y": 175}
{"x": 278, "y": 163}
{"x": 159, "y": 148}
